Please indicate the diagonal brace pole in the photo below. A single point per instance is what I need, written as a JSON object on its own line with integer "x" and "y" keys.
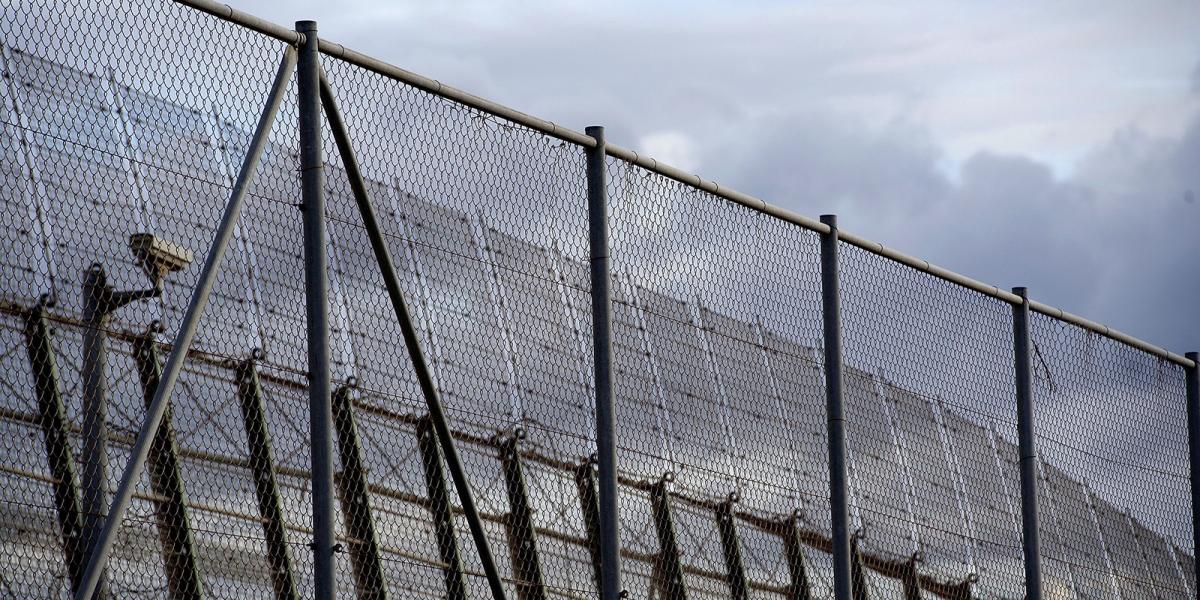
{"x": 432, "y": 397}
{"x": 187, "y": 330}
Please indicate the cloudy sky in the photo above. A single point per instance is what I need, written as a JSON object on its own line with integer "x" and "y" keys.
{"x": 1051, "y": 145}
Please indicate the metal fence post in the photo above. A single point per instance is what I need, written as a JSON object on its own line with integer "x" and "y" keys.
{"x": 316, "y": 296}
{"x": 606, "y": 452}
{"x": 1025, "y": 433}
{"x": 93, "y": 372}
{"x": 834, "y": 409}
{"x": 429, "y": 389}
{"x": 1193, "y": 422}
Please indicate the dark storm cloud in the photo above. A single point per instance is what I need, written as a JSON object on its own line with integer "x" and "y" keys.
{"x": 1115, "y": 242}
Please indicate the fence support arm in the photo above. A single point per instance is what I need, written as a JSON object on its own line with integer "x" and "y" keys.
{"x": 858, "y": 570}
{"x": 522, "y": 535}
{"x": 670, "y": 569}
{"x": 187, "y": 330}
{"x": 53, "y": 419}
{"x": 166, "y": 480}
{"x": 1025, "y": 438}
{"x": 793, "y": 547}
{"x": 429, "y": 390}
{"x": 354, "y": 490}
{"x": 589, "y": 507}
{"x": 266, "y": 489}
{"x": 834, "y": 410}
{"x": 731, "y": 549}
{"x": 443, "y": 514}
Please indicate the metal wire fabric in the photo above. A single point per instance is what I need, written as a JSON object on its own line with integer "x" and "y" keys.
{"x": 134, "y": 116}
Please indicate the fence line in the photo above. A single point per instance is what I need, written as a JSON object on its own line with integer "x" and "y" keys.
{"x": 449, "y": 92}
{"x": 768, "y": 523}
{"x": 722, "y": 456}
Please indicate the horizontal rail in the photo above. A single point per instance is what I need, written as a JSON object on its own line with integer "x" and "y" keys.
{"x": 567, "y": 134}
{"x": 1011, "y": 298}
{"x": 221, "y": 368}
{"x": 767, "y": 524}
{"x": 247, "y": 20}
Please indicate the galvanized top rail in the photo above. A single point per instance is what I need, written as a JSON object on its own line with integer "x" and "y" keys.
{"x": 566, "y": 134}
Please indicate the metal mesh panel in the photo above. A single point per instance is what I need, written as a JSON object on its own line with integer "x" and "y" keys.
{"x": 718, "y": 393}
{"x": 134, "y": 116}
{"x": 929, "y": 405}
{"x": 113, "y": 126}
{"x": 1115, "y": 447}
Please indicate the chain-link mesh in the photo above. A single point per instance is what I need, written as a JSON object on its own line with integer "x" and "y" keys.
{"x": 135, "y": 116}
{"x": 930, "y": 420}
{"x": 718, "y": 321}
{"x": 1112, "y": 434}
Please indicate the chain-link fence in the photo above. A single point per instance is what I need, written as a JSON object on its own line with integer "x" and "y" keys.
{"x": 134, "y": 117}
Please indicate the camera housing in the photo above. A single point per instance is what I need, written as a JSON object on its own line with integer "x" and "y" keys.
{"x": 158, "y": 257}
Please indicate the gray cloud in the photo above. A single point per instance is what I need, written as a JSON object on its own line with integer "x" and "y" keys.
{"x": 981, "y": 143}
{"x": 1115, "y": 242}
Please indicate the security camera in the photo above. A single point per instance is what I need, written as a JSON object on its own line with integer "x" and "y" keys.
{"x": 157, "y": 256}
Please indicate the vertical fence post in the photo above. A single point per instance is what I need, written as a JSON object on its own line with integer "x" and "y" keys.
{"x": 316, "y": 278}
{"x": 94, "y": 367}
{"x": 1028, "y": 465}
{"x": 834, "y": 409}
{"x": 1193, "y": 421}
{"x": 606, "y": 452}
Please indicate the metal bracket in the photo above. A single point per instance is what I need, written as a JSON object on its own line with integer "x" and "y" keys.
{"x": 53, "y": 420}
{"x": 250, "y": 396}
{"x": 356, "y": 507}
{"x": 521, "y": 533}
{"x": 439, "y": 505}
{"x": 670, "y": 580}
{"x": 166, "y": 480}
